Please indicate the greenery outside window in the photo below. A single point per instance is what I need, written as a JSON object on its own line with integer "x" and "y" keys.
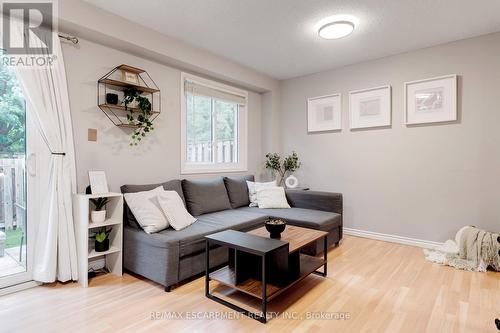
{"x": 213, "y": 127}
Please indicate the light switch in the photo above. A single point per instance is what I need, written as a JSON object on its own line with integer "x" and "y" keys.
{"x": 92, "y": 134}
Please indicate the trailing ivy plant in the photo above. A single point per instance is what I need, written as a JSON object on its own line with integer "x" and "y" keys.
{"x": 281, "y": 167}
{"x": 140, "y": 119}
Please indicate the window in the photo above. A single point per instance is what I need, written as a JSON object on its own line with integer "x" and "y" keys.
{"x": 213, "y": 126}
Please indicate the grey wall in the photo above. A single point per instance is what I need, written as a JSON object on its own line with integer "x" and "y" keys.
{"x": 158, "y": 158}
{"x": 421, "y": 182}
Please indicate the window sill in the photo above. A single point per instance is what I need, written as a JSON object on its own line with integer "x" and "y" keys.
{"x": 197, "y": 171}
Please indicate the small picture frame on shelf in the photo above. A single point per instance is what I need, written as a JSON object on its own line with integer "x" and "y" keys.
{"x": 98, "y": 182}
{"x": 130, "y": 77}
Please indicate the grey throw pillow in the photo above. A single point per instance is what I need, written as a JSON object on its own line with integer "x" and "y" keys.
{"x": 205, "y": 196}
{"x": 172, "y": 185}
{"x": 237, "y": 190}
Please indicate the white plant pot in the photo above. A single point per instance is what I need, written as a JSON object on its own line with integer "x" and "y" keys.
{"x": 97, "y": 216}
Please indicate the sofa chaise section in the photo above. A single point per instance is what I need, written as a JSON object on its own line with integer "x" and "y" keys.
{"x": 325, "y": 202}
{"x": 310, "y": 209}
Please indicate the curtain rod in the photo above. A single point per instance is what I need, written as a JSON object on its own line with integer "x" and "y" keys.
{"x": 72, "y": 39}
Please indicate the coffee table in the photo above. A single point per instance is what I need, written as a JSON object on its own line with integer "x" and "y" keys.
{"x": 261, "y": 266}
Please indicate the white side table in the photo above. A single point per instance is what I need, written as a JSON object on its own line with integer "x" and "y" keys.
{"x": 84, "y": 227}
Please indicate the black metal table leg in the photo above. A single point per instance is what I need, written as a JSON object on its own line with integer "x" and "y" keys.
{"x": 207, "y": 268}
{"x": 264, "y": 291}
{"x": 325, "y": 256}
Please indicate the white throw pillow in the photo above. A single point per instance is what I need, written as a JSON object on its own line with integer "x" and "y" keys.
{"x": 272, "y": 197}
{"x": 146, "y": 209}
{"x": 173, "y": 207}
{"x": 252, "y": 190}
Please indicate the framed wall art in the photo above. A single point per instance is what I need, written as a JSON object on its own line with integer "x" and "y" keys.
{"x": 431, "y": 100}
{"x": 370, "y": 107}
{"x": 324, "y": 113}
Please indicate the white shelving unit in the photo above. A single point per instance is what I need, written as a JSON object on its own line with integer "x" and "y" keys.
{"x": 84, "y": 228}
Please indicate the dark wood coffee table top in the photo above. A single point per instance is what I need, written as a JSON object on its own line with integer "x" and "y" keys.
{"x": 296, "y": 237}
{"x": 246, "y": 242}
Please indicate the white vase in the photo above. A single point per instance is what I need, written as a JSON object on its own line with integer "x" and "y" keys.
{"x": 97, "y": 216}
{"x": 291, "y": 182}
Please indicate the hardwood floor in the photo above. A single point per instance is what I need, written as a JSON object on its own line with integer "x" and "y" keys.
{"x": 383, "y": 287}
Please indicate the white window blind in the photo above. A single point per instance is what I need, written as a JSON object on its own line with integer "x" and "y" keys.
{"x": 219, "y": 94}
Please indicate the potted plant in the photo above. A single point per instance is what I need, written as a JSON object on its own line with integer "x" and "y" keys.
{"x": 133, "y": 100}
{"x": 289, "y": 164}
{"x": 98, "y": 214}
{"x": 102, "y": 239}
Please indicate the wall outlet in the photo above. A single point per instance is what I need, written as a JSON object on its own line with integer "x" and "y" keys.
{"x": 92, "y": 134}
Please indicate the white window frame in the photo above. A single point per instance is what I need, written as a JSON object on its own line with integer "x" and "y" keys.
{"x": 199, "y": 168}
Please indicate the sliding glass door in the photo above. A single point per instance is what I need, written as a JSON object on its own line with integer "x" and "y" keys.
{"x": 15, "y": 230}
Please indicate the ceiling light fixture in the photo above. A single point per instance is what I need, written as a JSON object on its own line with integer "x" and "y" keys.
{"x": 336, "y": 29}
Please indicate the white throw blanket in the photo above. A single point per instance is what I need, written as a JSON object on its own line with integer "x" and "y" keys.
{"x": 473, "y": 250}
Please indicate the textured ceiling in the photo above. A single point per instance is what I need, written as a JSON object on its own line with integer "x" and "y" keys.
{"x": 279, "y": 37}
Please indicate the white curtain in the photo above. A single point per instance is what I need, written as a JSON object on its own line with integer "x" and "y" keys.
{"x": 45, "y": 90}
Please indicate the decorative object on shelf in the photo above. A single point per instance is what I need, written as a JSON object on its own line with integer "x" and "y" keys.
{"x": 102, "y": 239}
{"x": 281, "y": 168}
{"x": 130, "y": 77}
{"x": 98, "y": 182}
{"x": 291, "y": 182}
{"x": 140, "y": 100}
{"x": 111, "y": 98}
{"x": 324, "y": 113}
{"x": 275, "y": 227}
{"x": 431, "y": 100}
{"x": 370, "y": 107}
{"x": 98, "y": 215}
{"x": 142, "y": 121}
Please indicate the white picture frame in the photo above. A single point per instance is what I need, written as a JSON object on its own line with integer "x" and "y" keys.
{"x": 324, "y": 113}
{"x": 432, "y": 100}
{"x": 369, "y": 108}
{"x": 98, "y": 182}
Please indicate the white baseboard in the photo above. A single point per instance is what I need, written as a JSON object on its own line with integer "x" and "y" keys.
{"x": 392, "y": 238}
{"x": 18, "y": 287}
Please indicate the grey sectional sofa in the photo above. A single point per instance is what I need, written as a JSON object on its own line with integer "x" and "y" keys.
{"x": 171, "y": 256}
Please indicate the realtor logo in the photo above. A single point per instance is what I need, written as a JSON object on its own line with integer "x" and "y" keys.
{"x": 28, "y": 30}
{"x": 27, "y": 27}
